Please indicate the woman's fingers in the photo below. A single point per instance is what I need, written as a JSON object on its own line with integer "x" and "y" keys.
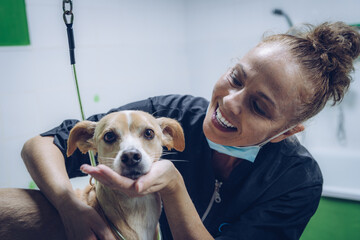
{"x": 82, "y": 222}
{"x": 160, "y": 177}
{"x": 110, "y": 178}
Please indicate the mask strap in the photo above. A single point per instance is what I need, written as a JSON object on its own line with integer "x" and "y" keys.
{"x": 279, "y": 134}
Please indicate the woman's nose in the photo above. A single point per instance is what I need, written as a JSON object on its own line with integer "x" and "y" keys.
{"x": 233, "y": 102}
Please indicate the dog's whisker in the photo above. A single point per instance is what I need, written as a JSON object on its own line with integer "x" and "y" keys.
{"x": 154, "y": 154}
{"x": 110, "y": 158}
{"x": 106, "y": 161}
{"x": 113, "y": 152}
{"x": 165, "y": 154}
{"x": 169, "y": 152}
{"x": 175, "y": 160}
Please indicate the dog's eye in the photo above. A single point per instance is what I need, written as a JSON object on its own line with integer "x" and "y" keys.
{"x": 149, "y": 134}
{"x": 109, "y": 137}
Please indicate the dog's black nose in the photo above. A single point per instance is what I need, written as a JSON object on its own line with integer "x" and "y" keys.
{"x": 131, "y": 157}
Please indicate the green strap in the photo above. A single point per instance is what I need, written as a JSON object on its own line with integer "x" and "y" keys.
{"x": 159, "y": 237}
{"x": 78, "y": 92}
{"x": 91, "y": 154}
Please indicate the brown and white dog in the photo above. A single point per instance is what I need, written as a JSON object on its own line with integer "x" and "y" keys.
{"x": 128, "y": 142}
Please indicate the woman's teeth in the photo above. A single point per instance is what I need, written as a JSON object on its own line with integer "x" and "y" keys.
{"x": 222, "y": 120}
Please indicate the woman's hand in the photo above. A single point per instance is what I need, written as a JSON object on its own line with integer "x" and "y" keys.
{"x": 45, "y": 163}
{"x": 162, "y": 177}
{"x": 82, "y": 222}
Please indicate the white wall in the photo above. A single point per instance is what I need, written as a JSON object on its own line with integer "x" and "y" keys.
{"x": 131, "y": 49}
{"x": 125, "y": 51}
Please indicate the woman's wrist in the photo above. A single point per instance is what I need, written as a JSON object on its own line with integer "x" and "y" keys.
{"x": 181, "y": 213}
{"x": 175, "y": 184}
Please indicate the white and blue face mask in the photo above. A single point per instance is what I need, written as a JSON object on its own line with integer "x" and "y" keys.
{"x": 248, "y": 153}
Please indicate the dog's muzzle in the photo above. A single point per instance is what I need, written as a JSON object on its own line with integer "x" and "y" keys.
{"x": 131, "y": 161}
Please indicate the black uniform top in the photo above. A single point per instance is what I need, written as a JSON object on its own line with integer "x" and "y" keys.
{"x": 272, "y": 198}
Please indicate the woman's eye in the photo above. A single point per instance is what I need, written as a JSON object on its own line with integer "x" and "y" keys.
{"x": 258, "y": 109}
{"x": 110, "y": 137}
{"x": 149, "y": 134}
{"x": 234, "y": 80}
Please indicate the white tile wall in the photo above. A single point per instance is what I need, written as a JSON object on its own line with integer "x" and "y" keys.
{"x": 129, "y": 50}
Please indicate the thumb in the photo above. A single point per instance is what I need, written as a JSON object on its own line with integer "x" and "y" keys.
{"x": 154, "y": 180}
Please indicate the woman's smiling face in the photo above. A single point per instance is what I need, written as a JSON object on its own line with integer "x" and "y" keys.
{"x": 256, "y": 98}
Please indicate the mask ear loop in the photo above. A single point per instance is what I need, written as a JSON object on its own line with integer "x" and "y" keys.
{"x": 277, "y": 135}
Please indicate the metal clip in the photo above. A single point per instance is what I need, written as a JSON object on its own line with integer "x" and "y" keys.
{"x": 71, "y": 20}
{"x": 67, "y": 8}
{"x": 67, "y": 3}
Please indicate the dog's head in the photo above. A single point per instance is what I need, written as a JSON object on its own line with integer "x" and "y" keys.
{"x": 127, "y": 141}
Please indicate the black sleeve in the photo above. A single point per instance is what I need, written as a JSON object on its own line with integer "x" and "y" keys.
{"x": 61, "y": 135}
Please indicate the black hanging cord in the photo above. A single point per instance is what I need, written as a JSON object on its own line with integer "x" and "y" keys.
{"x": 68, "y": 17}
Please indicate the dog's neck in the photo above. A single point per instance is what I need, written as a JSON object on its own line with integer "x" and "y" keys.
{"x": 135, "y": 218}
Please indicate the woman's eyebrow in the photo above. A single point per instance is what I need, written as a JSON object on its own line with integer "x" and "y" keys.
{"x": 241, "y": 70}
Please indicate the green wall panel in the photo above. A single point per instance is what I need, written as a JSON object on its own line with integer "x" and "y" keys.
{"x": 335, "y": 219}
{"x": 13, "y": 23}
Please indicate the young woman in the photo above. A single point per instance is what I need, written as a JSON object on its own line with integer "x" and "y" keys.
{"x": 245, "y": 176}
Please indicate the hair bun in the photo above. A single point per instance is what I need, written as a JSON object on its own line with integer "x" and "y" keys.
{"x": 337, "y": 45}
{"x": 326, "y": 54}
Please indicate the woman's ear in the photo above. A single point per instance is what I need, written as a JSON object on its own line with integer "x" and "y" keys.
{"x": 298, "y": 128}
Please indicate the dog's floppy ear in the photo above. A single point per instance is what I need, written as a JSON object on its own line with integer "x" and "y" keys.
{"x": 173, "y": 135}
{"x": 81, "y": 137}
